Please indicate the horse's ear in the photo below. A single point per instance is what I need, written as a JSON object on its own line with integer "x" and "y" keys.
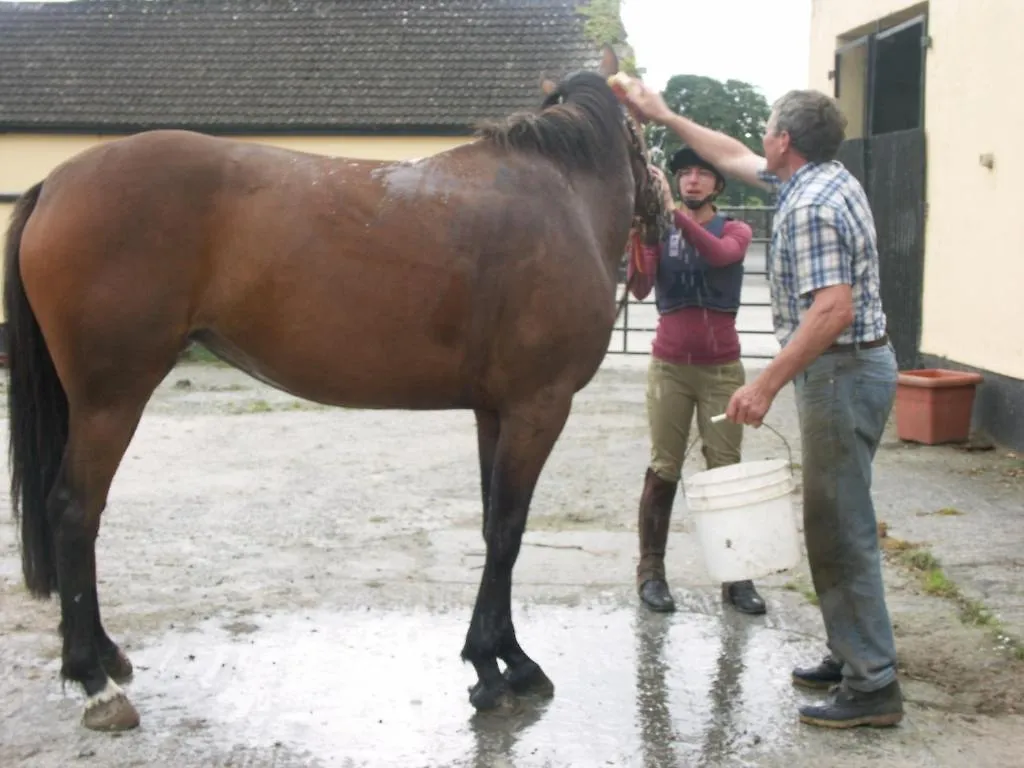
{"x": 609, "y": 61}
{"x": 548, "y": 86}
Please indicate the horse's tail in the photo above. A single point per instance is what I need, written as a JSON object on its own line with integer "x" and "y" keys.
{"x": 37, "y": 409}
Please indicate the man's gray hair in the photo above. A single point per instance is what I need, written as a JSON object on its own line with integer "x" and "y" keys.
{"x": 814, "y": 122}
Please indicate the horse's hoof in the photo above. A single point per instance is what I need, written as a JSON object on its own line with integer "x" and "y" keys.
{"x": 119, "y": 667}
{"x": 499, "y": 699}
{"x": 529, "y": 679}
{"x": 115, "y": 713}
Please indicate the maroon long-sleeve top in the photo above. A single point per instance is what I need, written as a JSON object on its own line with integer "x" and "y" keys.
{"x": 694, "y": 335}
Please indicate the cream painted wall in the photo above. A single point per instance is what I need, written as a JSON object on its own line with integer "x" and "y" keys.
{"x": 974, "y": 265}
{"x": 27, "y": 158}
{"x": 852, "y": 75}
{"x": 974, "y": 259}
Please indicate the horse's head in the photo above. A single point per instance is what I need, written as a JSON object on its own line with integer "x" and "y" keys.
{"x": 649, "y": 215}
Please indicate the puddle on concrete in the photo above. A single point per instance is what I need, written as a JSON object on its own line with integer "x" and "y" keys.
{"x": 388, "y": 688}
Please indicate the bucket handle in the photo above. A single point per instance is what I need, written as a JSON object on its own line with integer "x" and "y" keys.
{"x": 721, "y": 417}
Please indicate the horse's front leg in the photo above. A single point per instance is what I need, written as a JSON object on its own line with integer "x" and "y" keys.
{"x": 527, "y": 434}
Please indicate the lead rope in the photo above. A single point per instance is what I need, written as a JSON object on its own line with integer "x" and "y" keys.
{"x": 634, "y": 256}
{"x": 652, "y": 214}
{"x": 625, "y": 296}
{"x": 640, "y": 224}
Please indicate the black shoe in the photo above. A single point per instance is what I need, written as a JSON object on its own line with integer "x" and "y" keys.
{"x": 828, "y": 673}
{"x": 655, "y": 594}
{"x": 848, "y": 708}
{"x": 743, "y": 597}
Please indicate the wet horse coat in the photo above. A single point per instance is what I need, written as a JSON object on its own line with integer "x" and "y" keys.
{"x": 480, "y": 278}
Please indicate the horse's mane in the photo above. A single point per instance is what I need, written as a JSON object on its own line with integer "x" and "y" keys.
{"x": 577, "y": 125}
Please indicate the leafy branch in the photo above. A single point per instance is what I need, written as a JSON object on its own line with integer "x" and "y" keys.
{"x": 603, "y": 26}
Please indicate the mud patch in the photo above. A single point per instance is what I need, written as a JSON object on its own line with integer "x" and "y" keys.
{"x": 241, "y": 628}
{"x": 948, "y": 641}
{"x": 963, "y": 663}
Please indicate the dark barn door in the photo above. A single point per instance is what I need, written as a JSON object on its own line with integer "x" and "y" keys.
{"x": 896, "y": 189}
{"x": 879, "y": 82}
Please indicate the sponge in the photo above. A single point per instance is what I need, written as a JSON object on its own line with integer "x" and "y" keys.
{"x": 621, "y": 83}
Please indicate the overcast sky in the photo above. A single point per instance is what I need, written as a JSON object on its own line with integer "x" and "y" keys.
{"x": 764, "y": 42}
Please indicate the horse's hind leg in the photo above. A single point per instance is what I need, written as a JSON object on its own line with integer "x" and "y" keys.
{"x": 98, "y": 436}
{"x": 525, "y": 438}
{"x": 113, "y": 659}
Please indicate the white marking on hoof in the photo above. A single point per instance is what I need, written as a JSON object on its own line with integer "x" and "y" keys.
{"x": 110, "y": 692}
{"x": 109, "y": 710}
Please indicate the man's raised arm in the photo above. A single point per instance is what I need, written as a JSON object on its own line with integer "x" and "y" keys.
{"x": 732, "y": 157}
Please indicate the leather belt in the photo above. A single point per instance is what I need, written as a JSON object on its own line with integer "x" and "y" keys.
{"x": 851, "y": 347}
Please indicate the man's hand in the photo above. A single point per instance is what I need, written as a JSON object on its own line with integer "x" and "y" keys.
{"x": 648, "y": 102}
{"x": 749, "y": 404}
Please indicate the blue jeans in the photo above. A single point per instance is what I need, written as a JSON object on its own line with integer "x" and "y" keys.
{"x": 844, "y": 400}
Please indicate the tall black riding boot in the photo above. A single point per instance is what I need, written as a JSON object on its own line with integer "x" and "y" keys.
{"x": 655, "y": 515}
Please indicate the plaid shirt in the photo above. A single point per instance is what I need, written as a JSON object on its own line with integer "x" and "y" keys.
{"x": 823, "y": 234}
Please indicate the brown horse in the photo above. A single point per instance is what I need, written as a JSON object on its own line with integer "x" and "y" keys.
{"x": 482, "y": 277}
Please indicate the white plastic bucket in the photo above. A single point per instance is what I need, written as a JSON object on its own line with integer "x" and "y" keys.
{"x": 745, "y": 521}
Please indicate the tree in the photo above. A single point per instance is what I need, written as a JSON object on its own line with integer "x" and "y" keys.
{"x": 604, "y": 25}
{"x": 733, "y": 107}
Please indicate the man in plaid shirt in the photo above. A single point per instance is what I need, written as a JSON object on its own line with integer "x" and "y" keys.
{"x": 827, "y": 311}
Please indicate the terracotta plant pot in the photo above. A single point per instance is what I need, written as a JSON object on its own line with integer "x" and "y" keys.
{"x": 934, "y": 405}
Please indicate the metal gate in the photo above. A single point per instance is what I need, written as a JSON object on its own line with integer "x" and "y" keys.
{"x": 634, "y": 331}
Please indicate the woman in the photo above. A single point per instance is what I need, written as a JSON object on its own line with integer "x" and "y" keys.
{"x": 697, "y": 276}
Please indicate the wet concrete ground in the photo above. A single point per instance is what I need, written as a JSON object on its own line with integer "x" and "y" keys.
{"x": 294, "y": 585}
